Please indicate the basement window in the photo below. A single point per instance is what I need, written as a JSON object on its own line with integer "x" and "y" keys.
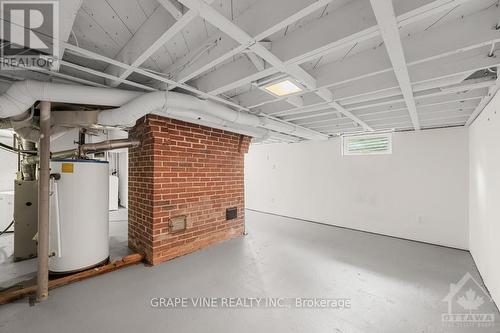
{"x": 373, "y": 144}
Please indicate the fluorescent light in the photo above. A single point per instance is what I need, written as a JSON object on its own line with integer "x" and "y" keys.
{"x": 283, "y": 88}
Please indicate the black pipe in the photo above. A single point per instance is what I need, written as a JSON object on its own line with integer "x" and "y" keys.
{"x": 5, "y": 231}
{"x": 7, "y": 147}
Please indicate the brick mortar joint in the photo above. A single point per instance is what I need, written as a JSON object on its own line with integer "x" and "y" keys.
{"x": 148, "y": 168}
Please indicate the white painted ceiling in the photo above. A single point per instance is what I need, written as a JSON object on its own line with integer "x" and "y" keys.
{"x": 335, "y": 47}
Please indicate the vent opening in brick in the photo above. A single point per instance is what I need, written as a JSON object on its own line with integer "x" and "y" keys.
{"x": 178, "y": 223}
{"x": 211, "y": 180}
{"x": 231, "y": 213}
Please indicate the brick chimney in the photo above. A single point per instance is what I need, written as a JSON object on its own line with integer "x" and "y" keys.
{"x": 186, "y": 187}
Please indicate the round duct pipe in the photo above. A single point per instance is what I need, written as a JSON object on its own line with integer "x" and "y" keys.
{"x": 133, "y": 105}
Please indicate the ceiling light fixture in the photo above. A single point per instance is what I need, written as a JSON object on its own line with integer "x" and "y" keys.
{"x": 283, "y": 88}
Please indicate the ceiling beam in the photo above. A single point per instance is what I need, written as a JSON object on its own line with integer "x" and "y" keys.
{"x": 173, "y": 30}
{"x": 350, "y": 18}
{"x": 79, "y": 51}
{"x": 348, "y": 25}
{"x": 307, "y": 116}
{"x": 434, "y": 93}
{"x": 68, "y": 10}
{"x": 425, "y": 116}
{"x": 460, "y": 100}
{"x": 260, "y": 20}
{"x": 256, "y": 61}
{"x": 457, "y": 102}
{"x": 425, "y": 76}
{"x": 456, "y": 105}
{"x": 87, "y": 53}
{"x": 308, "y": 108}
{"x": 484, "y": 101}
{"x": 350, "y": 115}
{"x": 245, "y": 40}
{"x": 148, "y": 33}
{"x": 328, "y": 96}
{"x": 430, "y": 108}
{"x": 242, "y": 37}
{"x": 171, "y": 8}
{"x": 455, "y": 37}
{"x": 105, "y": 75}
{"x": 67, "y": 77}
{"x": 358, "y": 16}
{"x": 471, "y": 84}
{"x": 83, "y": 52}
{"x": 386, "y": 18}
{"x": 375, "y": 96}
{"x": 395, "y": 91}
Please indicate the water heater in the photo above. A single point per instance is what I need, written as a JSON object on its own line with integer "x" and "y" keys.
{"x": 79, "y": 203}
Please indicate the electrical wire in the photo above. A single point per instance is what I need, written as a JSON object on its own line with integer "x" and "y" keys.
{"x": 7, "y": 148}
{"x": 13, "y": 150}
{"x": 5, "y": 231}
{"x": 74, "y": 36}
{"x": 202, "y": 50}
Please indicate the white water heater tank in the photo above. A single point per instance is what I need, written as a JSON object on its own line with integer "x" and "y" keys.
{"x": 79, "y": 220}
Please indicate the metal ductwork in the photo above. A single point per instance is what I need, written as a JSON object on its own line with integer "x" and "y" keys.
{"x": 21, "y": 95}
{"x": 133, "y": 105}
{"x": 176, "y": 105}
{"x": 82, "y": 150}
{"x": 91, "y": 148}
{"x": 23, "y": 124}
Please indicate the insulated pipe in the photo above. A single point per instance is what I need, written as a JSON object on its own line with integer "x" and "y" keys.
{"x": 42, "y": 290}
{"x": 109, "y": 145}
{"x": 223, "y": 125}
{"x": 173, "y": 103}
{"x": 176, "y": 105}
{"x": 22, "y": 124}
{"x": 21, "y": 95}
{"x": 28, "y": 171}
{"x": 30, "y": 160}
{"x": 86, "y": 148}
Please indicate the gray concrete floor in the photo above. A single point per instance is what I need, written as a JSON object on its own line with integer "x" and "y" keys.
{"x": 394, "y": 286}
{"x": 12, "y": 273}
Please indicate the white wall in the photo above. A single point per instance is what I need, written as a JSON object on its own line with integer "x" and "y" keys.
{"x": 120, "y": 164}
{"x": 484, "y": 213}
{"x": 123, "y": 178}
{"x": 419, "y": 192}
{"x": 8, "y": 166}
{"x": 65, "y": 141}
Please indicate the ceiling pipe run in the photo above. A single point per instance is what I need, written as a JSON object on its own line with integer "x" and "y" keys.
{"x": 108, "y": 145}
{"x": 174, "y": 105}
{"x": 133, "y": 105}
{"x": 21, "y": 95}
{"x": 87, "y": 148}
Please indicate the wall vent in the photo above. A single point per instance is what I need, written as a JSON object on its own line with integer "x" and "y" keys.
{"x": 178, "y": 223}
{"x": 231, "y": 213}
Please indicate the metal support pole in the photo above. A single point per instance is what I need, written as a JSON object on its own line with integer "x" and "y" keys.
{"x": 42, "y": 290}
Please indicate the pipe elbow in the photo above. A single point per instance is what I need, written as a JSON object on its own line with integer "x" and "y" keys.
{"x": 20, "y": 96}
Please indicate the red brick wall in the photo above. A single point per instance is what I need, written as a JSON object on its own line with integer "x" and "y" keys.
{"x": 183, "y": 169}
